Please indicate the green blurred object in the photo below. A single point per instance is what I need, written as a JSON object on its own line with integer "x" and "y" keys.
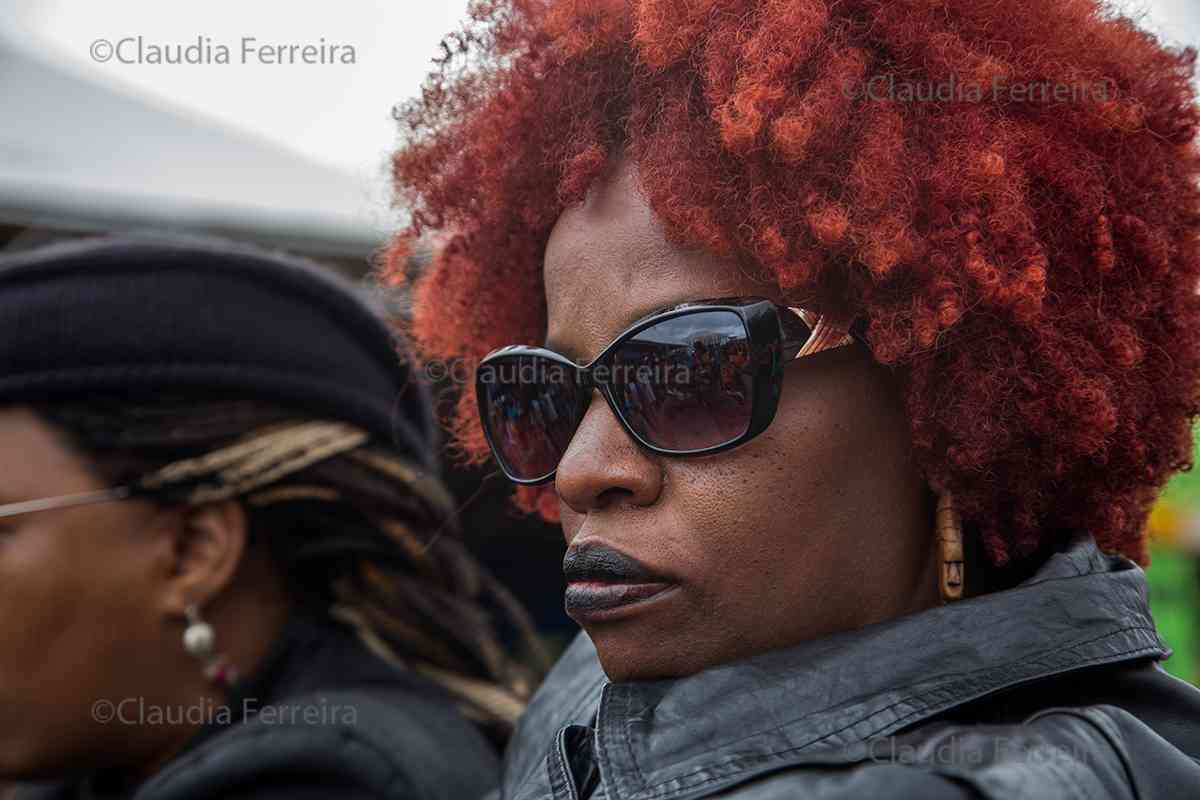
{"x": 1174, "y": 572}
{"x": 1174, "y": 599}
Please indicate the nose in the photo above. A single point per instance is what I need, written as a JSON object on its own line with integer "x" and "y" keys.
{"x": 603, "y": 464}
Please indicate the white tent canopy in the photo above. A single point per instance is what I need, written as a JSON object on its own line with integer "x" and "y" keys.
{"x": 78, "y": 154}
{"x": 291, "y": 155}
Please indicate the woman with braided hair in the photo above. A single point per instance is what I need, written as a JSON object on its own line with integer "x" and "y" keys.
{"x": 897, "y": 555}
{"x": 228, "y": 568}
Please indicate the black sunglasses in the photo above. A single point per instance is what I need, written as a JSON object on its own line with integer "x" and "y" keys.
{"x": 689, "y": 380}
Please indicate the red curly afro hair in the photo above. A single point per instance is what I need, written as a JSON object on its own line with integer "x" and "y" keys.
{"x": 1007, "y": 192}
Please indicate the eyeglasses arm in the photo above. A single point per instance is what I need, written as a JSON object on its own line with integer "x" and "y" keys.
{"x": 66, "y": 501}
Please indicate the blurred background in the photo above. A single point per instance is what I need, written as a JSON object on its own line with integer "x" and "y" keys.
{"x": 98, "y": 134}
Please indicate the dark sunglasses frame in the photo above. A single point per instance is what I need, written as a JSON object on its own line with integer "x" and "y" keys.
{"x": 777, "y": 335}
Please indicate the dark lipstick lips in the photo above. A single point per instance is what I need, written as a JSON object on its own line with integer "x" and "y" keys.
{"x": 601, "y": 580}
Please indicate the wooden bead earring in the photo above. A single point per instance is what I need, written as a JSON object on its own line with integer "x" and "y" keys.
{"x": 950, "y": 549}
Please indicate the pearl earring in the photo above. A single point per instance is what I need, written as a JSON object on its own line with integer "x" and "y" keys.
{"x": 200, "y": 640}
{"x": 199, "y": 637}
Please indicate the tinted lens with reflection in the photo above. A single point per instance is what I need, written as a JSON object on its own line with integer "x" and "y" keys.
{"x": 687, "y": 382}
{"x": 532, "y": 407}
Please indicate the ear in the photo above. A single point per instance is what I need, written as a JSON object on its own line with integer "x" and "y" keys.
{"x": 205, "y": 551}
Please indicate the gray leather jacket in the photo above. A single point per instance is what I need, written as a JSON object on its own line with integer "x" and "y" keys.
{"x": 1047, "y": 690}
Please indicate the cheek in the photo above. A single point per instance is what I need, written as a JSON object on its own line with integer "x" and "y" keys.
{"x": 777, "y": 510}
{"x": 743, "y": 513}
{"x": 42, "y": 597}
{"x": 69, "y": 614}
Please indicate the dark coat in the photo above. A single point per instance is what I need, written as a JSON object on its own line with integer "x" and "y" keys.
{"x": 1048, "y": 690}
{"x": 328, "y": 720}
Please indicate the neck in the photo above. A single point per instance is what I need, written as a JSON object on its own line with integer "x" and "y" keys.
{"x": 249, "y": 619}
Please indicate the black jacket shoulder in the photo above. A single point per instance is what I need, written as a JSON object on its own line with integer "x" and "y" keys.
{"x": 322, "y": 718}
{"x": 1123, "y": 731}
{"x": 1167, "y": 705}
{"x": 370, "y": 743}
{"x": 1049, "y": 689}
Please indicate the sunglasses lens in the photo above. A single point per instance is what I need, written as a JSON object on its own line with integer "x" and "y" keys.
{"x": 687, "y": 383}
{"x": 531, "y": 409}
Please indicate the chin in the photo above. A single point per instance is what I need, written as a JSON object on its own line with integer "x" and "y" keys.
{"x": 625, "y": 657}
{"x": 16, "y": 765}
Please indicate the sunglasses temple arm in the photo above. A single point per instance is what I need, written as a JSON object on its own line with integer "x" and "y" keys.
{"x": 795, "y": 330}
{"x": 806, "y": 333}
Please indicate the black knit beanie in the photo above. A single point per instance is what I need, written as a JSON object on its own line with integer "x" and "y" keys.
{"x": 138, "y": 315}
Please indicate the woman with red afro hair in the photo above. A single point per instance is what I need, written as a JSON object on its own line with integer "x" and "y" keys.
{"x": 851, "y": 343}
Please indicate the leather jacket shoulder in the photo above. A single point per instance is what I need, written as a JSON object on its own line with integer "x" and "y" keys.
{"x": 1093, "y": 751}
{"x": 1047, "y": 690}
{"x": 324, "y": 718}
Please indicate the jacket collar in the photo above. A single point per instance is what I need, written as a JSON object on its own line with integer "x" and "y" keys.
{"x": 665, "y": 738}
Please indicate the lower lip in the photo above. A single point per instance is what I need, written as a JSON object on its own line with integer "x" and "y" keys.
{"x": 596, "y": 601}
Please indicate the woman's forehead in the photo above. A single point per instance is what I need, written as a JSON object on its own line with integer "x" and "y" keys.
{"x": 35, "y": 461}
{"x": 609, "y": 262}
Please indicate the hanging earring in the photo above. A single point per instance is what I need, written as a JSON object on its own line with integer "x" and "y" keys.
{"x": 200, "y": 640}
{"x": 950, "y": 547}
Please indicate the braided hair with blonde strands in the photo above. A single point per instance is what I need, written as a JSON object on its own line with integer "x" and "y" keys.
{"x": 361, "y": 535}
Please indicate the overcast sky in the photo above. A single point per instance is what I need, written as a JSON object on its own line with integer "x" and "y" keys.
{"x": 335, "y": 113}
